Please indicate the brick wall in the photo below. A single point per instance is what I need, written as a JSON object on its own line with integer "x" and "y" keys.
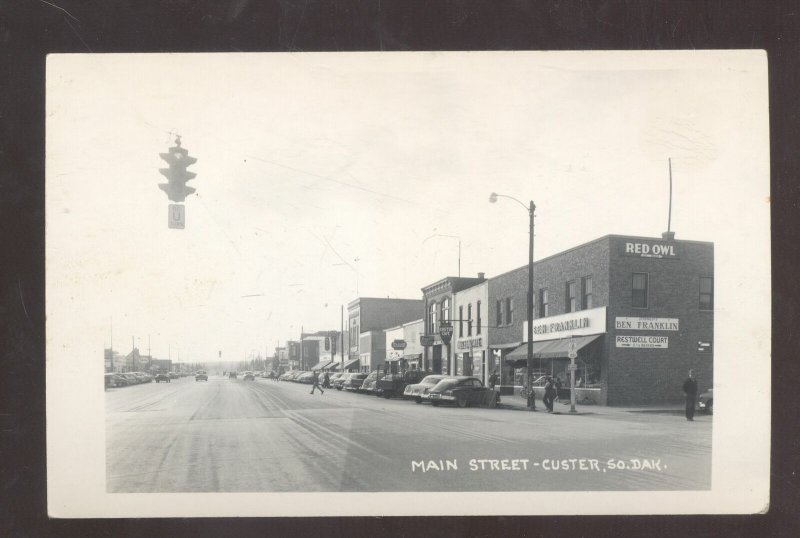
{"x": 645, "y": 376}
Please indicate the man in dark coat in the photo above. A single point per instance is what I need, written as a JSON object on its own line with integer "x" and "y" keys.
{"x": 549, "y": 394}
{"x": 690, "y": 389}
{"x": 493, "y": 379}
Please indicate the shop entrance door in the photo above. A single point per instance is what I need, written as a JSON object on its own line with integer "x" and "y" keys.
{"x": 467, "y": 364}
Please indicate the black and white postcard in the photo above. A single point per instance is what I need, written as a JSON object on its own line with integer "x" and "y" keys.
{"x": 407, "y": 283}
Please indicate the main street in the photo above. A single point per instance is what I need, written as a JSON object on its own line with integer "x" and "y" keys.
{"x": 229, "y": 435}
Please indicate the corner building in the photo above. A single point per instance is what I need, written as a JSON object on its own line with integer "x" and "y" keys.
{"x": 639, "y": 309}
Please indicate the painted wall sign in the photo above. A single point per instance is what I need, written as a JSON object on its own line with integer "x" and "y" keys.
{"x": 581, "y": 323}
{"x": 661, "y": 342}
{"x": 647, "y": 324}
{"x": 650, "y": 249}
{"x": 426, "y": 340}
{"x": 399, "y": 344}
{"x": 464, "y": 344}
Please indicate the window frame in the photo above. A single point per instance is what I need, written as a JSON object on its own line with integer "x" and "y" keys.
{"x": 646, "y": 290}
{"x": 469, "y": 319}
{"x": 544, "y": 303}
{"x": 499, "y": 313}
{"x": 701, "y": 294}
{"x": 478, "y": 317}
{"x": 509, "y": 304}
{"x": 571, "y": 301}
{"x": 586, "y": 298}
{"x": 460, "y": 320}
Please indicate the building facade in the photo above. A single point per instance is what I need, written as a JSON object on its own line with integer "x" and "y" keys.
{"x": 406, "y": 335}
{"x": 639, "y": 310}
{"x": 438, "y": 300}
{"x": 368, "y": 319}
{"x": 470, "y": 332}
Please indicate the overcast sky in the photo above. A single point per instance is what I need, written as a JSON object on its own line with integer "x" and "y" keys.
{"x": 321, "y": 174}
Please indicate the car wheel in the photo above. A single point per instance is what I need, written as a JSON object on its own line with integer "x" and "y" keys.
{"x": 435, "y": 404}
{"x": 461, "y": 402}
{"x": 418, "y": 400}
{"x": 387, "y": 395}
{"x": 338, "y": 388}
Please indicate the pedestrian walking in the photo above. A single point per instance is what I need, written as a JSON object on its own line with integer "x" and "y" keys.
{"x": 549, "y": 394}
{"x": 326, "y": 381}
{"x": 315, "y": 378}
{"x": 558, "y": 389}
{"x": 493, "y": 379}
{"x": 690, "y": 390}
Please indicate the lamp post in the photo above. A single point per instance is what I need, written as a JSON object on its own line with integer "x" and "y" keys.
{"x": 493, "y": 199}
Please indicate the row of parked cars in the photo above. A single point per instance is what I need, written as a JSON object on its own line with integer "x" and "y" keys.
{"x": 420, "y": 387}
{"x": 113, "y": 380}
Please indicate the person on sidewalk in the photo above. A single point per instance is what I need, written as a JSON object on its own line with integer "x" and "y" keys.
{"x": 531, "y": 396}
{"x": 493, "y": 380}
{"x": 549, "y": 394}
{"x": 315, "y": 378}
{"x": 690, "y": 390}
{"x": 326, "y": 381}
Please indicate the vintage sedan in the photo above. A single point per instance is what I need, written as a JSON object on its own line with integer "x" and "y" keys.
{"x": 163, "y": 377}
{"x": 463, "y": 391}
{"x": 338, "y": 383}
{"x": 370, "y": 383}
{"x": 249, "y": 376}
{"x": 354, "y": 382}
{"x": 705, "y": 402}
{"x": 416, "y": 391}
{"x": 201, "y": 375}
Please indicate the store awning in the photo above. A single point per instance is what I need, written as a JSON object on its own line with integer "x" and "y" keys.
{"x": 505, "y": 346}
{"x": 320, "y": 365}
{"x": 551, "y": 349}
{"x": 332, "y": 366}
{"x": 350, "y": 364}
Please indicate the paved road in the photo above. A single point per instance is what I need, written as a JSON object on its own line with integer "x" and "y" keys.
{"x": 232, "y": 435}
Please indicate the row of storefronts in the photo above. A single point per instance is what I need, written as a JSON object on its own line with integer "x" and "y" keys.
{"x": 639, "y": 312}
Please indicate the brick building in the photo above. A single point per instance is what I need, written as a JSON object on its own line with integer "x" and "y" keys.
{"x": 368, "y": 319}
{"x": 639, "y": 309}
{"x": 439, "y": 307}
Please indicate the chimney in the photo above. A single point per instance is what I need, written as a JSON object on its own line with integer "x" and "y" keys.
{"x": 481, "y": 275}
{"x": 668, "y": 236}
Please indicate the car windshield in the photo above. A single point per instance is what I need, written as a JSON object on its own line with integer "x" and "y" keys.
{"x": 359, "y": 376}
{"x": 431, "y": 380}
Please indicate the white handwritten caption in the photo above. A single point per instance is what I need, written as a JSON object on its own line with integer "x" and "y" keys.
{"x": 562, "y": 464}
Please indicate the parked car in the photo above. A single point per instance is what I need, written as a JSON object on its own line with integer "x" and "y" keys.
{"x": 163, "y": 377}
{"x": 392, "y": 379}
{"x": 201, "y": 374}
{"x": 338, "y": 383}
{"x": 417, "y": 391}
{"x": 354, "y": 382}
{"x": 120, "y": 380}
{"x": 110, "y": 382}
{"x": 334, "y": 377}
{"x": 174, "y": 375}
{"x": 249, "y": 376}
{"x": 463, "y": 391}
{"x": 307, "y": 378}
{"x": 370, "y": 383}
{"x": 705, "y": 402}
{"x": 132, "y": 379}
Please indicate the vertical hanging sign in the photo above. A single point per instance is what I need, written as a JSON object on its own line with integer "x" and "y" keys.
{"x": 177, "y": 216}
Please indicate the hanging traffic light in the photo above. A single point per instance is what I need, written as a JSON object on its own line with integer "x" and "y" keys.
{"x": 177, "y": 175}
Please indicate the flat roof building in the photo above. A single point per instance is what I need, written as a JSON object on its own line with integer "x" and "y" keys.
{"x": 640, "y": 310}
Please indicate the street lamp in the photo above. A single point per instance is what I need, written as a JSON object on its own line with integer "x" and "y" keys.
{"x": 459, "y": 247}
{"x": 493, "y": 199}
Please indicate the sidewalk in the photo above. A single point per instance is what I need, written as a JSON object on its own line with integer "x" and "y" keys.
{"x": 518, "y": 403}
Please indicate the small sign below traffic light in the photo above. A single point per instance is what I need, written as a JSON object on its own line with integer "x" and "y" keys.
{"x": 177, "y": 216}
